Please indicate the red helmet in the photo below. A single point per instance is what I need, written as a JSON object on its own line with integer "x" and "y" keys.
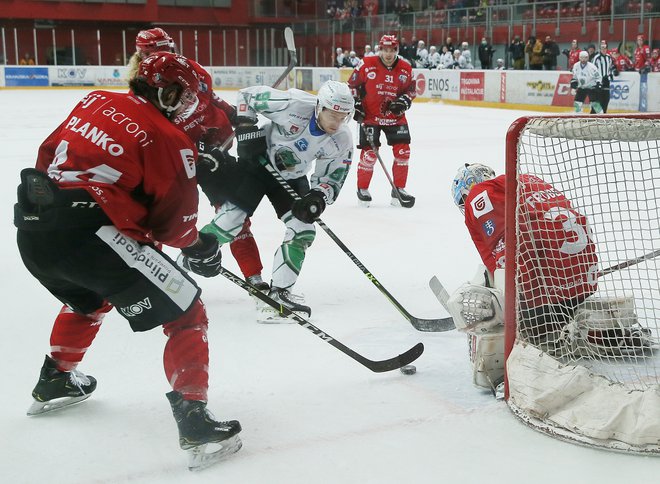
{"x": 389, "y": 41}
{"x": 153, "y": 40}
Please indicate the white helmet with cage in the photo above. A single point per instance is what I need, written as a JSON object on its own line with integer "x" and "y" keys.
{"x": 466, "y": 178}
{"x": 335, "y": 96}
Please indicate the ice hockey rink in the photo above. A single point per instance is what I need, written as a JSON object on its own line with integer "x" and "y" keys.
{"x": 310, "y": 414}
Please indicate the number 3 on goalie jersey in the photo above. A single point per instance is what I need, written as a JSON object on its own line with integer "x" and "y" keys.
{"x": 572, "y": 228}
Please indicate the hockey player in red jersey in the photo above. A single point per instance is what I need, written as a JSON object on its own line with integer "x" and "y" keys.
{"x": 642, "y": 56}
{"x": 384, "y": 88}
{"x": 114, "y": 181}
{"x": 209, "y": 125}
{"x": 621, "y": 61}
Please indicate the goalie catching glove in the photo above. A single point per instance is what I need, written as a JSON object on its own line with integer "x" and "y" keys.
{"x": 399, "y": 105}
{"x": 202, "y": 258}
{"x": 476, "y": 308}
{"x": 310, "y": 207}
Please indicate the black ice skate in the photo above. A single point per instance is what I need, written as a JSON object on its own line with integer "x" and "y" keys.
{"x": 58, "y": 389}
{"x": 259, "y": 283}
{"x": 364, "y": 197}
{"x": 407, "y": 200}
{"x": 207, "y": 440}
{"x": 269, "y": 314}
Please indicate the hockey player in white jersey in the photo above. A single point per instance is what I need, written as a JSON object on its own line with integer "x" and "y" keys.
{"x": 304, "y": 132}
{"x": 587, "y": 83}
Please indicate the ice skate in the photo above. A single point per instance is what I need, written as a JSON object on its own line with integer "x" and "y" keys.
{"x": 206, "y": 440}
{"x": 260, "y": 284}
{"x": 407, "y": 200}
{"x": 270, "y": 315}
{"x": 364, "y": 197}
{"x": 58, "y": 389}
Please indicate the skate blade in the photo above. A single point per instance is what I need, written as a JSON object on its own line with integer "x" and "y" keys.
{"x": 364, "y": 203}
{"x": 38, "y": 408}
{"x": 274, "y": 319}
{"x": 396, "y": 203}
{"x": 200, "y": 458}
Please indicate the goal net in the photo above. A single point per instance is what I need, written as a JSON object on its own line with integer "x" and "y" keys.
{"x": 582, "y": 279}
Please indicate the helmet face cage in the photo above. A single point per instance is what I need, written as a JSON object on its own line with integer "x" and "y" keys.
{"x": 466, "y": 178}
{"x": 335, "y": 96}
{"x": 163, "y": 69}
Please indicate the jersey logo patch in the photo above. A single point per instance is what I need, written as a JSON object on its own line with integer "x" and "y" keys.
{"x": 481, "y": 204}
{"x": 302, "y": 144}
{"x": 371, "y": 75}
{"x": 489, "y": 227}
{"x": 188, "y": 157}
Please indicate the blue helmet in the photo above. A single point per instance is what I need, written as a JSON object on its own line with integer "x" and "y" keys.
{"x": 466, "y": 178}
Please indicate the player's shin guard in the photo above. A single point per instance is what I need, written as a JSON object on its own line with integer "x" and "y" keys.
{"x": 597, "y": 107}
{"x": 365, "y": 172}
{"x": 245, "y": 251}
{"x": 577, "y": 105}
{"x": 400, "y": 165}
{"x": 186, "y": 356}
{"x": 227, "y": 223}
{"x": 72, "y": 335}
{"x": 290, "y": 255}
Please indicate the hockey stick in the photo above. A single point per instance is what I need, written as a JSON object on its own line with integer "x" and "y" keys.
{"x": 370, "y": 140}
{"x": 440, "y": 292}
{"x": 628, "y": 263}
{"x": 379, "y": 366}
{"x": 293, "y": 61}
{"x": 431, "y": 325}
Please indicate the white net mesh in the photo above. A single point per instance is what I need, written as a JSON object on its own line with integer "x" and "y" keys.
{"x": 588, "y": 200}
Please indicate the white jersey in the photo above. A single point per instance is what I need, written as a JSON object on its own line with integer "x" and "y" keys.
{"x": 587, "y": 75}
{"x": 433, "y": 60}
{"x": 422, "y": 55}
{"x": 295, "y": 139}
{"x": 446, "y": 60}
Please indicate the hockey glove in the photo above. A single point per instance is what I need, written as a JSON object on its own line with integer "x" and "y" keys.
{"x": 310, "y": 207}
{"x": 212, "y": 171}
{"x": 599, "y": 85}
{"x": 615, "y": 72}
{"x": 251, "y": 142}
{"x": 359, "y": 114}
{"x": 399, "y": 105}
{"x": 202, "y": 259}
{"x": 645, "y": 70}
{"x": 574, "y": 84}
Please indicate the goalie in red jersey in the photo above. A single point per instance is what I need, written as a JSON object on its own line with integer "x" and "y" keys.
{"x": 384, "y": 88}
{"x": 557, "y": 273}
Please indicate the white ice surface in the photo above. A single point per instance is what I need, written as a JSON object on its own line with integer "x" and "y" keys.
{"x": 309, "y": 413}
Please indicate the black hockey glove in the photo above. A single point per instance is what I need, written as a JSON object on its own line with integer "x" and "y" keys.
{"x": 203, "y": 259}
{"x": 599, "y": 85}
{"x": 565, "y": 52}
{"x": 645, "y": 70}
{"x": 310, "y": 207}
{"x": 574, "y": 84}
{"x": 399, "y": 105}
{"x": 251, "y": 142}
{"x": 212, "y": 169}
{"x": 359, "y": 114}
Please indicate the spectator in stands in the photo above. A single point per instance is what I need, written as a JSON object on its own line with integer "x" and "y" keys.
{"x": 550, "y": 54}
{"x": 433, "y": 60}
{"x": 500, "y": 65}
{"x": 534, "y": 49}
{"x": 446, "y": 58}
{"x": 421, "y": 55}
{"x": 572, "y": 55}
{"x": 655, "y": 60}
{"x": 27, "y": 60}
{"x": 486, "y": 54}
{"x": 353, "y": 59}
{"x": 642, "y": 56}
{"x": 622, "y": 61}
{"x": 465, "y": 52}
{"x": 517, "y": 51}
{"x": 367, "y": 51}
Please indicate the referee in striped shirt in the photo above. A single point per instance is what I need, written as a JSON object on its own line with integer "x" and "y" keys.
{"x": 605, "y": 65}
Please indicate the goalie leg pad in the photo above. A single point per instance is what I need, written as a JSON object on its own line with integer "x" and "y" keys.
{"x": 487, "y": 358}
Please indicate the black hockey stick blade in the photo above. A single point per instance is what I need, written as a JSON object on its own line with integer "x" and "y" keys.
{"x": 377, "y": 366}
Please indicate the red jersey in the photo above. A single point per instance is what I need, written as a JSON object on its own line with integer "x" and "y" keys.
{"x": 210, "y": 121}
{"x": 655, "y": 64}
{"x": 623, "y": 63}
{"x": 642, "y": 57}
{"x": 573, "y": 57}
{"x": 558, "y": 266}
{"x": 133, "y": 161}
{"x": 375, "y": 85}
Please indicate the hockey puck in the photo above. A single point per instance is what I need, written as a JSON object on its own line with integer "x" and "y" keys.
{"x": 408, "y": 369}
